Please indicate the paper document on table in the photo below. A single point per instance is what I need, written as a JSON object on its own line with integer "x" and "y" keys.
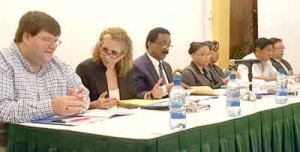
{"x": 138, "y": 102}
{"x": 203, "y": 90}
{"x": 67, "y": 120}
{"x": 107, "y": 113}
{"x": 162, "y": 105}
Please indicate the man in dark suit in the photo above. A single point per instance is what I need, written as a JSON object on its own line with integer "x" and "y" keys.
{"x": 277, "y": 56}
{"x": 152, "y": 75}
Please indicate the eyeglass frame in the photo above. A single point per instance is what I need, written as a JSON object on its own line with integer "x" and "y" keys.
{"x": 283, "y": 47}
{"x": 202, "y": 54}
{"x": 111, "y": 53}
{"x": 50, "y": 42}
{"x": 164, "y": 44}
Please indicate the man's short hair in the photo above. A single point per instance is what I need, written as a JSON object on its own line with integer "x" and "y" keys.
{"x": 275, "y": 40}
{"x": 33, "y": 22}
{"x": 153, "y": 34}
{"x": 261, "y": 43}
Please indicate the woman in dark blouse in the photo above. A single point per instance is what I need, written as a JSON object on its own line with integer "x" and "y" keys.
{"x": 214, "y": 57}
{"x": 197, "y": 73}
{"x": 108, "y": 75}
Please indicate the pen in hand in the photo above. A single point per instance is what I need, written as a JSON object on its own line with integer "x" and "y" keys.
{"x": 79, "y": 119}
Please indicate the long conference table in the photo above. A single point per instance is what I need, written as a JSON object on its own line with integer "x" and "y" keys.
{"x": 262, "y": 126}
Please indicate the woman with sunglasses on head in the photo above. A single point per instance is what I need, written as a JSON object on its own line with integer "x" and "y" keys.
{"x": 108, "y": 74}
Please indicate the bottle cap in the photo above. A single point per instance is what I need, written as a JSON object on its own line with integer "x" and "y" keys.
{"x": 232, "y": 76}
{"x": 176, "y": 78}
{"x": 281, "y": 71}
{"x": 176, "y": 81}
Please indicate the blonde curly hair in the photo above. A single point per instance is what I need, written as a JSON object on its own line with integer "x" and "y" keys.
{"x": 125, "y": 64}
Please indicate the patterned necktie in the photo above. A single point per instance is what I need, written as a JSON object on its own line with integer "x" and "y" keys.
{"x": 161, "y": 74}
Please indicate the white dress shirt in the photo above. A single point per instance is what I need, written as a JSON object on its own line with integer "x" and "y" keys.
{"x": 257, "y": 69}
{"x": 114, "y": 94}
{"x": 156, "y": 66}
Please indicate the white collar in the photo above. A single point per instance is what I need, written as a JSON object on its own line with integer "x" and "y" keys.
{"x": 153, "y": 60}
{"x": 277, "y": 60}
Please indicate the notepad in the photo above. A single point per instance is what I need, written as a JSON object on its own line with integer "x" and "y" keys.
{"x": 160, "y": 104}
{"x": 203, "y": 90}
{"x": 138, "y": 102}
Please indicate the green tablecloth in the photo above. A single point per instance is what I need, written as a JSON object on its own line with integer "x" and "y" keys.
{"x": 271, "y": 130}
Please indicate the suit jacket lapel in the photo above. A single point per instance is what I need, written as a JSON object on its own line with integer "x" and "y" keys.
{"x": 218, "y": 71}
{"x": 276, "y": 64}
{"x": 208, "y": 75}
{"x": 201, "y": 76}
{"x": 168, "y": 74}
{"x": 100, "y": 75}
{"x": 288, "y": 66}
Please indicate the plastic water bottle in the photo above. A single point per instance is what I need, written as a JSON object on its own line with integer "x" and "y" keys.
{"x": 177, "y": 105}
{"x": 233, "y": 106}
{"x": 281, "y": 88}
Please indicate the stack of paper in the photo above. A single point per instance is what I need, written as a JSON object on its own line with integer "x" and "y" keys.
{"x": 106, "y": 114}
{"x": 85, "y": 118}
{"x": 138, "y": 102}
{"x": 203, "y": 90}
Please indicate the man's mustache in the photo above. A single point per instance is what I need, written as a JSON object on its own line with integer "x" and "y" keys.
{"x": 166, "y": 52}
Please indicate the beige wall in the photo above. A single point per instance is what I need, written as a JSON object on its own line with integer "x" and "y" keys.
{"x": 82, "y": 22}
{"x": 281, "y": 19}
{"x": 221, "y": 27}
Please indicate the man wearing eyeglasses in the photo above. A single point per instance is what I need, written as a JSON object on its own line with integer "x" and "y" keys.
{"x": 34, "y": 83}
{"x": 152, "y": 75}
{"x": 277, "y": 56}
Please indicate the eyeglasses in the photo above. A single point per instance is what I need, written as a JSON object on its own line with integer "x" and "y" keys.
{"x": 281, "y": 47}
{"x": 164, "y": 44}
{"x": 268, "y": 49}
{"x": 50, "y": 42}
{"x": 203, "y": 54}
{"x": 113, "y": 54}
